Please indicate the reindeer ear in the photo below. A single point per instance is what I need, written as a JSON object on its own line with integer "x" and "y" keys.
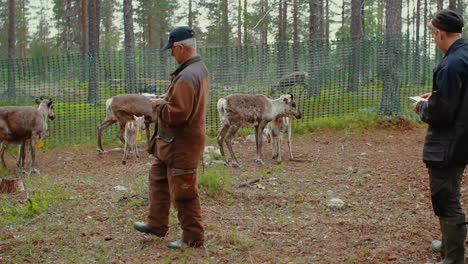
{"x": 38, "y": 101}
{"x": 49, "y": 103}
{"x": 292, "y": 97}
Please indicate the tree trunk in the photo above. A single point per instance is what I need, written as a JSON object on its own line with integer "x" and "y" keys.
{"x": 84, "y": 40}
{"x": 295, "y": 35}
{"x": 11, "y": 90}
{"x": 356, "y": 37}
{"x": 24, "y": 31}
{"x": 417, "y": 64}
{"x": 84, "y": 27}
{"x": 129, "y": 47}
{"x": 246, "y": 41}
{"x": 282, "y": 44}
{"x": 390, "y": 104}
{"x": 239, "y": 23}
{"x": 425, "y": 45}
{"x": 327, "y": 20}
{"x": 94, "y": 19}
{"x": 452, "y": 5}
{"x": 190, "y": 14}
{"x": 440, "y": 4}
{"x": 314, "y": 48}
{"x": 264, "y": 41}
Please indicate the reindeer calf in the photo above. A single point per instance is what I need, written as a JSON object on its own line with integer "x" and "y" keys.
{"x": 130, "y": 136}
{"x": 274, "y": 132}
{"x": 238, "y": 110}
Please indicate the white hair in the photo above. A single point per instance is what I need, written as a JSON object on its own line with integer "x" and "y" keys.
{"x": 189, "y": 43}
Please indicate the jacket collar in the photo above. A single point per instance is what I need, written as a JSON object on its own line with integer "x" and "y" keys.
{"x": 184, "y": 65}
{"x": 457, "y": 44}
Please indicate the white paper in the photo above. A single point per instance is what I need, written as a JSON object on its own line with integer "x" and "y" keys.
{"x": 417, "y": 98}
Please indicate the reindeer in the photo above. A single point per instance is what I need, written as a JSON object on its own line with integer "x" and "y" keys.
{"x": 289, "y": 80}
{"x": 121, "y": 108}
{"x": 130, "y": 135}
{"x": 24, "y": 126}
{"x": 274, "y": 132}
{"x": 238, "y": 110}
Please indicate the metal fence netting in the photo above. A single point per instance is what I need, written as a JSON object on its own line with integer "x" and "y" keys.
{"x": 327, "y": 78}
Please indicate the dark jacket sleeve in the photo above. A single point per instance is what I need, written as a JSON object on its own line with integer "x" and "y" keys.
{"x": 440, "y": 110}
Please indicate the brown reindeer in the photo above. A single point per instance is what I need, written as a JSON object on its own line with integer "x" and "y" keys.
{"x": 238, "y": 110}
{"x": 25, "y": 126}
{"x": 121, "y": 108}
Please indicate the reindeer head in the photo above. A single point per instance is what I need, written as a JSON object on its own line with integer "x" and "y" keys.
{"x": 290, "y": 106}
{"x": 46, "y": 105}
{"x": 140, "y": 121}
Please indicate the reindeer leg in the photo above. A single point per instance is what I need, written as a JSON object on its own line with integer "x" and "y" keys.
{"x": 101, "y": 129}
{"x": 2, "y": 153}
{"x": 221, "y": 137}
{"x": 21, "y": 155}
{"x": 280, "y": 143}
{"x": 32, "y": 152}
{"x": 259, "y": 141}
{"x": 228, "y": 139}
{"x": 274, "y": 143}
{"x": 137, "y": 155}
{"x": 289, "y": 142}
{"x": 120, "y": 133}
{"x": 124, "y": 158}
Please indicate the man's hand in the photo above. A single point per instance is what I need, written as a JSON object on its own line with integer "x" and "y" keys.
{"x": 426, "y": 95}
{"x": 415, "y": 105}
{"x": 157, "y": 102}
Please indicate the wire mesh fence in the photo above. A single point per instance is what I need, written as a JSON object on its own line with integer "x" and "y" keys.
{"x": 327, "y": 78}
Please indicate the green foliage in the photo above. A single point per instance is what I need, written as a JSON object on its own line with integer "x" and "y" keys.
{"x": 141, "y": 185}
{"x": 215, "y": 179}
{"x": 364, "y": 119}
{"x": 47, "y": 194}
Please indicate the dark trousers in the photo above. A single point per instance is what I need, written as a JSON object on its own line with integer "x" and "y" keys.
{"x": 168, "y": 184}
{"x": 445, "y": 190}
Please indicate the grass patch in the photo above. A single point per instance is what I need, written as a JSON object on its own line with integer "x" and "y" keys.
{"x": 364, "y": 119}
{"x": 42, "y": 198}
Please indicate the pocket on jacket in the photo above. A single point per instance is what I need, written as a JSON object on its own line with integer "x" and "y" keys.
{"x": 437, "y": 153}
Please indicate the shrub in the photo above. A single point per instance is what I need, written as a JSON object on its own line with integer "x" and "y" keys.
{"x": 215, "y": 179}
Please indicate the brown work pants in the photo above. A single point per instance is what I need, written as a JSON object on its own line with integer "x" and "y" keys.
{"x": 168, "y": 184}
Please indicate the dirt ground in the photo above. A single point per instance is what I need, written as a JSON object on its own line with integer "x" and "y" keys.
{"x": 283, "y": 218}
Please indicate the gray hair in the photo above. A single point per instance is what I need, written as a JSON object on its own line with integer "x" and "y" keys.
{"x": 189, "y": 43}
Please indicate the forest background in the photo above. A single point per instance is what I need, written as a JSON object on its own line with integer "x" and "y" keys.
{"x": 50, "y": 27}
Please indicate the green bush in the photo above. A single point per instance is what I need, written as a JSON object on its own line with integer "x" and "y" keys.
{"x": 215, "y": 179}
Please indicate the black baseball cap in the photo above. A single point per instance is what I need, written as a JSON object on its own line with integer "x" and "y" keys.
{"x": 448, "y": 20}
{"x": 178, "y": 34}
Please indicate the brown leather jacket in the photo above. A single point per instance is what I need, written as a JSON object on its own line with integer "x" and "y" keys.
{"x": 181, "y": 120}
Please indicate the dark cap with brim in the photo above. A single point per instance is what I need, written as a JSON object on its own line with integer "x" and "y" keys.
{"x": 178, "y": 34}
{"x": 448, "y": 20}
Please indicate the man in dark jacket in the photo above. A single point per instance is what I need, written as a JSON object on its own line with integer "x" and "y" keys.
{"x": 446, "y": 146}
{"x": 180, "y": 142}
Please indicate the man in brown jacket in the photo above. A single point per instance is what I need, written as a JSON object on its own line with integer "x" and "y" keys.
{"x": 180, "y": 142}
